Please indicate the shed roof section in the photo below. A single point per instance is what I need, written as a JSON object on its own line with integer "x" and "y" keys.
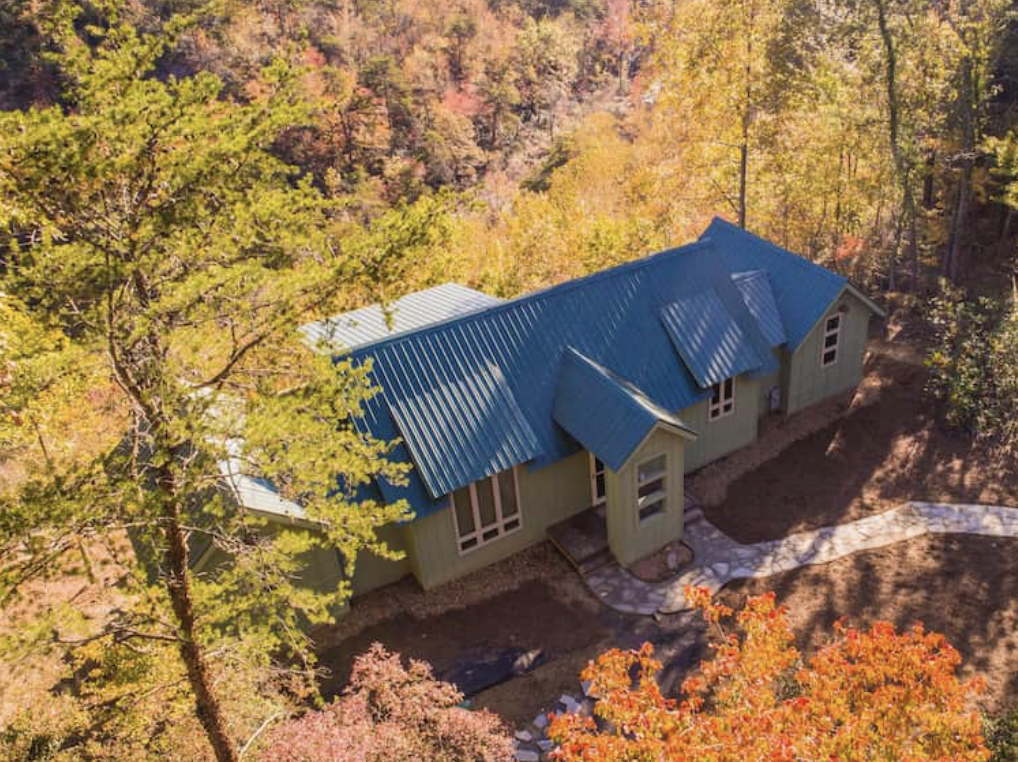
{"x": 755, "y": 287}
{"x": 377, "y": 322}
{"x": 442, "y": 378}
{"x": 604, "y": 412}
{"x": 708, "y": 338}
{"x": 802, "y": 289}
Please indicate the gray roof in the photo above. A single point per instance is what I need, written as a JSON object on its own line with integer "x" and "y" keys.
{"x": 376, "y": 322}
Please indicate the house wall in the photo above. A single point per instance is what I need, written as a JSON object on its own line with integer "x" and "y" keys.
{"x": 547, "y": 496}
{"x": 320, "y": 568}
{"x": 718, "y": 438}
{"x": 770, "y": 381}
{"x": 372, "y": 571}
{"x": 808, "y": 381}
{"x": 628, "y": 537}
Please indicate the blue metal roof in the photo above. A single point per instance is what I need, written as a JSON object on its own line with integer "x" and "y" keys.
{"x": 755, "y": 287}
{"x": 461, "y": 419}
{"x": 803, "y": 290}
{"x": 710, "y": 341}
{"x": 453, "y": 452}
{"x": 604, "y": 412}
{"x": 477, "y": 393}
{"x": 376, "y": 322}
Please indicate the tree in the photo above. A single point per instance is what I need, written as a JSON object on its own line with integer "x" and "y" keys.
{"x": 868, "y": 695}
{"x": 154, "y": 235}
{"x": 391, "y": 713}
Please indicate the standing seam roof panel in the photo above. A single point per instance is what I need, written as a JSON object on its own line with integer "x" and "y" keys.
{"x": 711, "y": 343}
{"x": 755, "y": 287}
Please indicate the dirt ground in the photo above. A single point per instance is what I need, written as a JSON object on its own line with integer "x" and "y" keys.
{"x": 877, "y": 455}
{"x": 533, "y": 600}
{"x": 962, "y": 586}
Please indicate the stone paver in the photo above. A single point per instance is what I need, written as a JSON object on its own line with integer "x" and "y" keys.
{"x": 718, "y": 559}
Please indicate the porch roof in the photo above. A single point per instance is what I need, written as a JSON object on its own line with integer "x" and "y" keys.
{"x": 604, "y": 412}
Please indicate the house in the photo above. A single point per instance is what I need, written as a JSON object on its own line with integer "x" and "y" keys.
{"x": 605, "y": 390}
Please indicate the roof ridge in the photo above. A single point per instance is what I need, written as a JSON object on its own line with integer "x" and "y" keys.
{"x": 703, "y": 242}
{"x": 797, "y": 259}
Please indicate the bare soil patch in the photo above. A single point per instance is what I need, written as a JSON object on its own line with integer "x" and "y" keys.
{"x": 963, "y": 586}
{"x": 881, "y": 453}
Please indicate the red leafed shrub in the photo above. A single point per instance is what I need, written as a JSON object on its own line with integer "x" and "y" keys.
{"x": 868, "y": 695}
{"x": 390, "y": 713}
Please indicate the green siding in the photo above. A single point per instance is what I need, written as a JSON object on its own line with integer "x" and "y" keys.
{"x": 546, "y": 497}
{"x": 718, "y": 438}
{"x": 372, "y": 572}
{"x": 807, "y": 380}
{"x": 771, "y": 381}
{"x": 629, "y": 538}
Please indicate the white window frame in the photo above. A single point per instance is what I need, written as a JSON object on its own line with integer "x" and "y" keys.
{"x": 716, "y": 410}
{"x": 827, "y": 333}
{"x": 661, "y": 496}
{"x": 595, "y": 499}
{"x": 500, "y": 520}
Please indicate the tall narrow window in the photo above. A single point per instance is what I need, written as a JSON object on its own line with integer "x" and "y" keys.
{"x": 486, "y": 510}
{"x": 598, "y": 490}
{"x": 651, "y": 487}
{"x": 722, "y": 399}
{"x": 832, "y": 337}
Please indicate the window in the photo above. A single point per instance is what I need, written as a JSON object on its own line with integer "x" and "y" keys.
{"x": 598, "y": 491}
{"x": 486, "y": 510}
{"x": 832, "y": 335}
{"x": 722, "y": 399}
{"x": 650, "y": 487}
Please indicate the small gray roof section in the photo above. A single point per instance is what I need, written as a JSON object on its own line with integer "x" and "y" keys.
{"x": 359, "y": 328}
{"x": 755, "y": 287}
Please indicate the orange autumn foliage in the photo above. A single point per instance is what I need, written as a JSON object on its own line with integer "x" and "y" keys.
{"x": 871, "y": 694}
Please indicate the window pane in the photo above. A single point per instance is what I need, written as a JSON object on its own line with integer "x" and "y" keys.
{"x": 598, "y": 466}
{"x": 651, "y": 469}
{"x": 649, "y": 488}
{"x": 833, "y": 322}
{"x": 464, "y": 513}
{"x": 728, "y": 388}
{"x": 485, "y": 501}
{"x": 599, "y": 485}
{"x": 830, "y": 340}
{"x": 715, "y": 393}
{"x": 829, "y": 356}
{"x": 507, "y": 493}
{"x": 652, "y": 509}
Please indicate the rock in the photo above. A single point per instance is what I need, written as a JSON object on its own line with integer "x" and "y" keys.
{"x": 672, "y": 560}
{"x": 570, "y": 704}
{"x": 524, "y": 735}
{"x": 545, "y": 745}
{"x": 526, "y": 755}
{"x": 541, "y": 721}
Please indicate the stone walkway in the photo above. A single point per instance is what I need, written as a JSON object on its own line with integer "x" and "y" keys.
{"x": 718, "y": 559}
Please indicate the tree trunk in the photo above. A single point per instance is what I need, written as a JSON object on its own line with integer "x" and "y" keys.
{"x": 209, "y": 709}
{"x": 743, "y": 172}
{"x": 955, "y": 256}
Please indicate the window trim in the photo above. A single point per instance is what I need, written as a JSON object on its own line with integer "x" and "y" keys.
{"x": 836, "y": 333}
{"x": 660, "y": 496}
{"x": 595, "y": 501}
{"x": 716, "y": 410}
{"x": 500, "y": 520}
